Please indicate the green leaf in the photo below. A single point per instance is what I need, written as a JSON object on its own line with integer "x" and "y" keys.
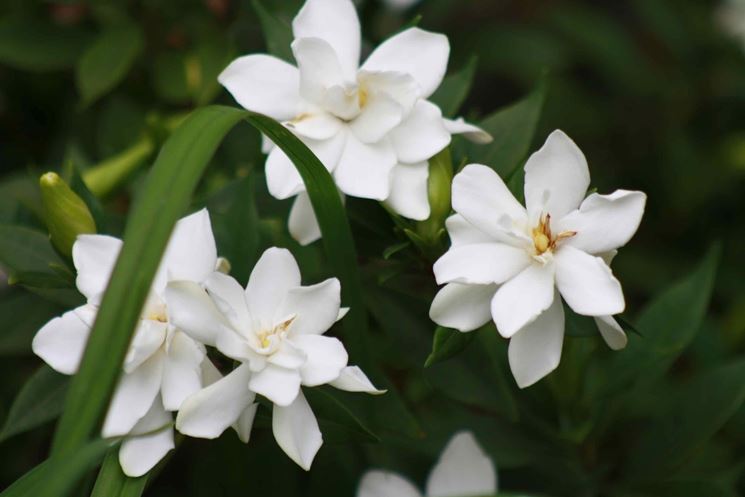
{"x": 694, "y": 413}
{"x": 31, "y": 45}
{"x": 454, "y": 88}
{"x": 446, "y": 344}
{"x": 670, "y": 323}
{"x": 513, "y": 129}
{"x": 337, "y": 422}
{"x": 112, "y": 482}
{"x": 578, "y": 325}
{"x": 108, "y": 60}
{"x": 28, "y": 254}
{"x": 57, "y": 476}
{"x": 277, "y": 33}
{"x": 39, "y": 401}
{"x": 23, "y": 314}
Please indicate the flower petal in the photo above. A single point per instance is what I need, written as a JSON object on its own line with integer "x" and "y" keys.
{"x": 275, "y": 273}
{"x": 364, "y": 169}
{"x": 182, "y": 371}
{"x": 133, "y": 397}
{"x": 318, "y": 125}
{"x": 61, "y": 342}
{"x": 336, "y": 22}
{"x": 315, "y": 307}
{"x": 468, "y": 130}
{"x": 409, "y": 196}
{"x": 611, "y": 332}
{"x": 556, "y": 177}
{"x": 397, "y": 85}
{"x": 352, "y": 379}
{"x": 149, "y": 336}
{"x": 535, "y": 350}
{"x": 522, "y": 299}
{"x": 463, "y": 469}
{"x": 463, "y": 307}
{"x": 381, "y": 114}
{"x": 480, "y": 263}
{"x": 320, "y": 70}
{"x": 94, "y": 257}
{"x": 277, "y": 384}
{"x": 587, "y": 283}
{"x": 421, "y": 135}
{"x": 302, "y": 222}
{"x": 192, "y": 311}
{"x": 482, "y": 198}
{"x": 288, "y": 356}
{"x": 422, "y": 54}
{"x": 210, "y": 411}
{"x": 230, "y": 298}
{"x": 264, "y": 84}
{"x": 191, "y": 253}
{"x": 604, "y": 222}
{"x": 296, "y": 431}
{"x": 245, "y": 423}
{"x": 140, "y": 453}
{"x": 376, "y": 483}
{"x": 462, "y": 232}
{"x": 327, "y": 357}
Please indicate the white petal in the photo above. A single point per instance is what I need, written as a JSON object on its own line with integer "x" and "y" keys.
{"x": 272, "y": 277}
{"x": 230, "y": 299}
{"x": 315, "y": 307}
{"x": 376, "y": 483}
{"x": 352, "y": 379}
{"x": 604, "y": 222}
{"x": 149, "y": 336}
{"x": 210, "y": 374}
{"x": 463, "y": 307}
{"x": 414, "y": 51}
{"x": 191, "y": 310}
{"x": 463, "y": 469}
{"x": 140, "y": 454}
{"x": 61, "y": 342}
{"x": 535, "y": 350}
{"x": 320, "y": 70}
{"x": 421, "y": 135}
{"x": 208, "y": 412}
{"x": 302, "y": 222}
{"x": 587, "y": 283}
{"x": 235, "y": 346}
{"x": 364, "y": 169}
{"x": 482, "y": 198}
{"x": 182, "y": 372}
{"x": 245, "y": 423}
{"x": 327, "y": 357}
{"x": 480, "y": 263}
{"x": 381, "y": 114}
{"x": 191, "y": 254}
{"x": 277, "y": 384}
{"x": 409, "y": 195}
{"x": 611, "y": 332}
{"x": 397, "y": 85}
{"x": 463, "y": 233}
{"x": 522, "y": 299}
{"x": 336, "y": 22}
{"x": 556, "y": 177}
{"x": 133, "y": 397}
{"x": 94, "y": 257}
{"x": 264, "y": 84}
{"x": 318, "y": 125}
{"x": 288, "y": 356}
{"x": 296, "y": 431}
{"x": 468, "y": 130}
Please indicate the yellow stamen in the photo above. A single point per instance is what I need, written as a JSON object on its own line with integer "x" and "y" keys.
{"x": 362, "y": 97}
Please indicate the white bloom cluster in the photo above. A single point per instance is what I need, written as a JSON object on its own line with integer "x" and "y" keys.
{"x": 274, "y": 328}
{"x": 370, "y": 125}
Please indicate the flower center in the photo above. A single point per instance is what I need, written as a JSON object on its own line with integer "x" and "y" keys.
{"x": 270, "y": 339}
{"x": 543, "y": 240}
{"x": 362, "y": 96}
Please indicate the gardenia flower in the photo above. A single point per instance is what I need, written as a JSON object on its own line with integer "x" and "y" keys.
{"x": 275, "y": 330}
{"x": 463, "y": 470}
{"x": 513, "y": 264}
{"x": 163, "y": 365}
{"x": 370, "y": 125}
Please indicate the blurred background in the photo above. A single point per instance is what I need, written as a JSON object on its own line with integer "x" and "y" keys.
{"x": 653, "y": 92}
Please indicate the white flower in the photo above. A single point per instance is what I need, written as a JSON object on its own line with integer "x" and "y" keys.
{"x": 463, "y": 470}
{"x": 512, "y": 264}
{"x": 163, "y": 365}
{"x": 370, "y": 125}
{"x": 275, "y": 329}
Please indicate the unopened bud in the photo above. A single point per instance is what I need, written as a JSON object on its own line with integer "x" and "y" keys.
{"x": 438, "y": 189}
{"x": 65, "y": 213}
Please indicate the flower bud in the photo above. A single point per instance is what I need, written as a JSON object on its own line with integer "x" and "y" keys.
{"x": 65, "y": 213}
{"x": 438, "y": 188}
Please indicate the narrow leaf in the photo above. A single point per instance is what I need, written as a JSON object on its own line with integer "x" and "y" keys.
{"x": 337, "y": 422}
{"x": 455, "y": 88}
{"x": 446, "y": 344}
{"x": 277, "y": 33}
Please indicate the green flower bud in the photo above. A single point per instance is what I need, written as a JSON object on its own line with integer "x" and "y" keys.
{"x": 65, "y": 213}
{"x": 438, "y": 186}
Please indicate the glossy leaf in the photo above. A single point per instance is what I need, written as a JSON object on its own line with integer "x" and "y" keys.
{"x": 337, "y": 422}
{"x": 277, "y": 33}
{"x": 35, "y": 46}
{"x": 455, "y": 88}
{"x": 447, "y": 343}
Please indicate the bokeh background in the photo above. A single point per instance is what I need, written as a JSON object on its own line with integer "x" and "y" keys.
{"x": 653, "y": 91}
